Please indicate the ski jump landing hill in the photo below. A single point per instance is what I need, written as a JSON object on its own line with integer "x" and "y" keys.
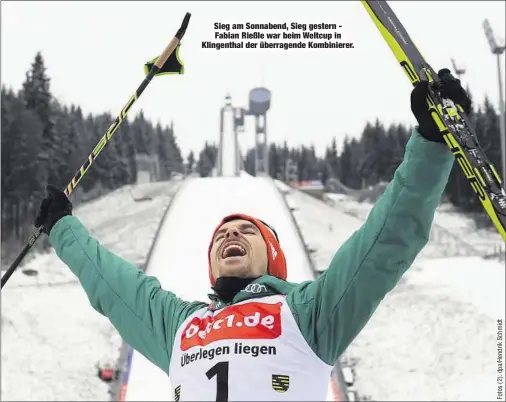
{"x": 179, "y": 257}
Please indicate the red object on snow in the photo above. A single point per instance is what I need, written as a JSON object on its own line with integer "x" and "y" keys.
{"x": 106, "y": 374}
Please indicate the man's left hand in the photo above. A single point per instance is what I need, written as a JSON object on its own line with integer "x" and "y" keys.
{"x": 449, "y": 87}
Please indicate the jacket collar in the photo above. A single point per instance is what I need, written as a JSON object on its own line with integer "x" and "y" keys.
{"x": 263, "y": 286}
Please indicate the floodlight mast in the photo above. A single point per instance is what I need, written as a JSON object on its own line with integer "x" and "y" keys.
{"x": 498, "y": 50}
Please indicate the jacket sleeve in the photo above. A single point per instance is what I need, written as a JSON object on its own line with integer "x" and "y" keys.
{"x": 146, "y": 316}
{"x": 333, "y": 309}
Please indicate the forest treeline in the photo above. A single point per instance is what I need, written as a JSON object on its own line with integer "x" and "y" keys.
{"x": 370, "y": 158}
{"x": 44, "y": 141}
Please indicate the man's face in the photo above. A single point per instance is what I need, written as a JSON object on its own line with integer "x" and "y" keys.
{"x": 238, "y": 250}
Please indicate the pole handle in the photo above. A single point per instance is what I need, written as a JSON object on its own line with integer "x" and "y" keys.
{"x": 174, "y": 42}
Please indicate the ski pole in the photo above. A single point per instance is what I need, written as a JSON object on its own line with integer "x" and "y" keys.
{"x": 105, "y": 138}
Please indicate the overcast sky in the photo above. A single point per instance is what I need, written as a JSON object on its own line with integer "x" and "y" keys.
{"x": 95, "y": 51}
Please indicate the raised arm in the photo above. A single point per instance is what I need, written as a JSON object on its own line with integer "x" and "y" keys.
{"x": 145, "y": 315}
{"x": 334, "y": 308}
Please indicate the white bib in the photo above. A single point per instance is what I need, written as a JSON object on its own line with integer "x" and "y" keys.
{"x": 252, "y": 350}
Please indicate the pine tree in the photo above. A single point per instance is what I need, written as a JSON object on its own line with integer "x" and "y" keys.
{"x": 37, "y": 97}
{"x": 169, "y": 154}
{"x": 129, "y": 152}
{"x": 346, "y": 163}
{"x": 274, "y": 162}
{"x": 89, "y": 137}
{"x": 370, "y": 166}
{"x": 175, "y": 151}
{"x": 141, "y": 133}
{"x": 64, "y": 156}
{"x": 207, "y": 160}
{"x": 120, "y": 169}
{"x": 190, "y": 163}
{"x": 164, "y": 153}
{"x": 249, "y": 162}
{"x": 332, "y": 159}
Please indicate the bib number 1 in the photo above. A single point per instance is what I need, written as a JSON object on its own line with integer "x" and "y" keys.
{"x": 220, "y": 371}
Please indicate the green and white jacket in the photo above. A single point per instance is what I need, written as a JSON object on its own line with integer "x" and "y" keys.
{"x": 276, "y": 340}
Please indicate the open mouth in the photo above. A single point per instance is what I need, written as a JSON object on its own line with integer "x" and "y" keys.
{"x": 233, "y": 250}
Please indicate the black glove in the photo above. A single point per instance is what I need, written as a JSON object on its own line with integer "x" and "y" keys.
{"x": 53, "y": 207}
{"x": 449, "y": 87}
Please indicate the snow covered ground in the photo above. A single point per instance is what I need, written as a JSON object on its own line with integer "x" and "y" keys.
{"x": 434, "y": 336}
{"x": 452, "y": 233}
{"x": 51, "y": 336}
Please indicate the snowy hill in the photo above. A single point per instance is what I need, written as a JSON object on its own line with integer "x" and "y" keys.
{"x": 453, "y": 233}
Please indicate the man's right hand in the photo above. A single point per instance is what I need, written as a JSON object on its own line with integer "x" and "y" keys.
{"x": 53, "y": 207}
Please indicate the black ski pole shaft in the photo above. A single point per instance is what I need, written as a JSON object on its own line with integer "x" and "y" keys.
{"x": 105, "y": 138}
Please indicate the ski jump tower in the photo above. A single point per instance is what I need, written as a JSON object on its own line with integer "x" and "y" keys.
{"x": 259, "y": 104}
